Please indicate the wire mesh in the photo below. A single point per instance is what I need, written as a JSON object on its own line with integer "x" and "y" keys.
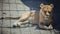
{"x": 10, "y": 11}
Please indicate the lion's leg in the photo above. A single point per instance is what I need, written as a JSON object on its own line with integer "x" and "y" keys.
{"x": 46, "y": 27}
{"x": 18, "y": 24}
{"x": 43, "y": 27}
{"x": 22, "y": 19}
{"x": 50, "y": 26}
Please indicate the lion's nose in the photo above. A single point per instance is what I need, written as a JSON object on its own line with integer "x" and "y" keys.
{"x": 47, "y": 14}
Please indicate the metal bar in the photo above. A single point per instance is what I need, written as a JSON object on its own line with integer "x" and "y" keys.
{"x": 15, "y": 10}
{"x": 10, "y": 3}
{"x": 9, "y": 17}
{"x": 2, "y": 19}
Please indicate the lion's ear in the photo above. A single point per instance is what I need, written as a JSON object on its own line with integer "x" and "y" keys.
{"x": 41, "y": 5}
{"x": 52, "y": 5}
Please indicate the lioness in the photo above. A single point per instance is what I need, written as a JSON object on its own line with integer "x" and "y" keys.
{"x": 45, "y": 19}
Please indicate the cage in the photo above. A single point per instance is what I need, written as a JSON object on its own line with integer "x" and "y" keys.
{"x": 11, "y": 10}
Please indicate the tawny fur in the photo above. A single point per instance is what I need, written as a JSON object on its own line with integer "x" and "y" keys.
{"x": 26, "y": 17}
{"x": 35, "y": 17}
{"x": 46, "y": 16}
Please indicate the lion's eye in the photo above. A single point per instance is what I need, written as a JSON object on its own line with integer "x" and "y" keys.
{"x": 49, "y": 12}
{"x": 44, "y": 11}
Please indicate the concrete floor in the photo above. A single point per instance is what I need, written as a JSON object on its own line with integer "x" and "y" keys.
{"x": 14, "y": 8}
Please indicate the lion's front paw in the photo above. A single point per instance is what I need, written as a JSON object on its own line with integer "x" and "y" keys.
{"x": 50, "y": 27}
{"x": 16, "y": 25}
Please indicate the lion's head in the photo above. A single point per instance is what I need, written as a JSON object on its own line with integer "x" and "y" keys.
{"x": 47, "y": 9}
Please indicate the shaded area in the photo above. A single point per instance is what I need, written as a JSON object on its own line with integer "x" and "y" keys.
{"x": 56, "y": 13}
{"x": 34, "y": 4}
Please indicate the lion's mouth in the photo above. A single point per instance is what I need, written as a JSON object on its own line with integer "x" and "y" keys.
{"x": 46, "y": 17}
